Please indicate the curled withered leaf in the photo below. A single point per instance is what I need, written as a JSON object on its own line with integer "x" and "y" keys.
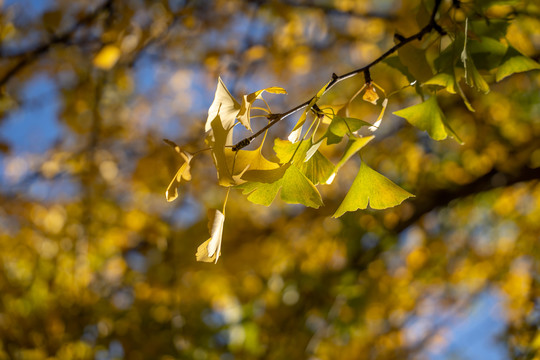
{"x": 371, "y": 94}
{"x": 183, "y": 173}
{"x": 210, "y": 250}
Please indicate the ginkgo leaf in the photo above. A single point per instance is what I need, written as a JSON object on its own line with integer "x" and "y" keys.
{"x": 472, "y": 76}
{"x": 228, "y": 109}
{"x": 485, "y": 4}
{"x": 414, "y": 58}
{"x": 514, "y": 62}
{"x": 210, "y": 250}
{"x": 353, "y": 146}
{"x": 426, "y": 116}
{"x": 464, "y": 98}
{"x": 373, "y": 189}
{"x": 218, "y": 142}
{"x": 247, "y": 161}
{"x": 183, "y": 173}
{"x": 265, "y": 176}
{"x": 486, "y": 52}
{"x": 395, "y": 62}
{"x": 303, "y": 116}
{"x": 295, "y": 189}
{"x": 494, "y": 28}
{"x": 445, "y": 80}
{"x": 295, "y": 135}
{"x": 341, "y": 126}
{"x": 317, "y": 168}
{"x": 446, "y": 64}
{"x": 287, "y": 152}
{"x": 313, "y": 149}
{"x": 248, "y": 100}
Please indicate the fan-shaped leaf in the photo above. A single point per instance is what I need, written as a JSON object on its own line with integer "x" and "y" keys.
{"x": 514, "y": 62}
{"x": 426, "y": 116}
{"x": 373, "y": 189}
{"x": 295, "y": 189}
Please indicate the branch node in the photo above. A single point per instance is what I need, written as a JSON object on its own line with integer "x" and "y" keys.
{"x": 273, "y": 117}
{"x": 242, "y": 144}
{"x": 400, "y": 38}
{"x": 367, "y": 76}
{"x": 317, "y": 110}
{"x": 439, "y": 29}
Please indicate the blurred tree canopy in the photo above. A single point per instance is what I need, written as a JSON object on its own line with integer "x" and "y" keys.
{"x": 96, "y": 264}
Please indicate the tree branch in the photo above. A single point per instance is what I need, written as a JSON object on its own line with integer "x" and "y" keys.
{"x": 29, "y": 56}
{"x": 275, "y": 118}
{"x": 328, "y": 9}
{"x": 429, "y": 201}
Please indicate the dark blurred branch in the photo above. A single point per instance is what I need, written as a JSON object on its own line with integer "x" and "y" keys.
{"x": 31, "y": 55}
{"x": 327, "y": 9}
{"x": 275, "y": 118}
{"x": 155, "y": 39}
{"x": 429, "y": 201}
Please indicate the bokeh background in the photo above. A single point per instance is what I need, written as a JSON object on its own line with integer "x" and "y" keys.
{"x": 95, "y": 264}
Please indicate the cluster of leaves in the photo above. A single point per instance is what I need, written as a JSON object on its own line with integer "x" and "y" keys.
{"x": 301, "y": 166}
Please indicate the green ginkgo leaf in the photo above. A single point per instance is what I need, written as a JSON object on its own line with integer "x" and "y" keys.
{"x": 295, "y": 189}
{"x": 472, "y": 76}
{"x": 514, "y": 62}
{"x": 353, "y": 146}
{"x": 414, "y": 58}
{"x": 426, "y": 116}
{"x": 373, "y": 189}
{"x": 340, "y": 126}
{"x": 444, "y": 80}
{"x": 317, "y": 168}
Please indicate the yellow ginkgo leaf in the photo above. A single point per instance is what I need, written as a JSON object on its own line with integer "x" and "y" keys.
{"x": 227, "y": 107}
{"x": 244, "y": 162}
{"x": 107, "y": 57}
{"x": 247, "y": 103}
{"x": 210, "y": 250}
{"x": 217, "y": 141}
{"x": 183, "y": 173}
